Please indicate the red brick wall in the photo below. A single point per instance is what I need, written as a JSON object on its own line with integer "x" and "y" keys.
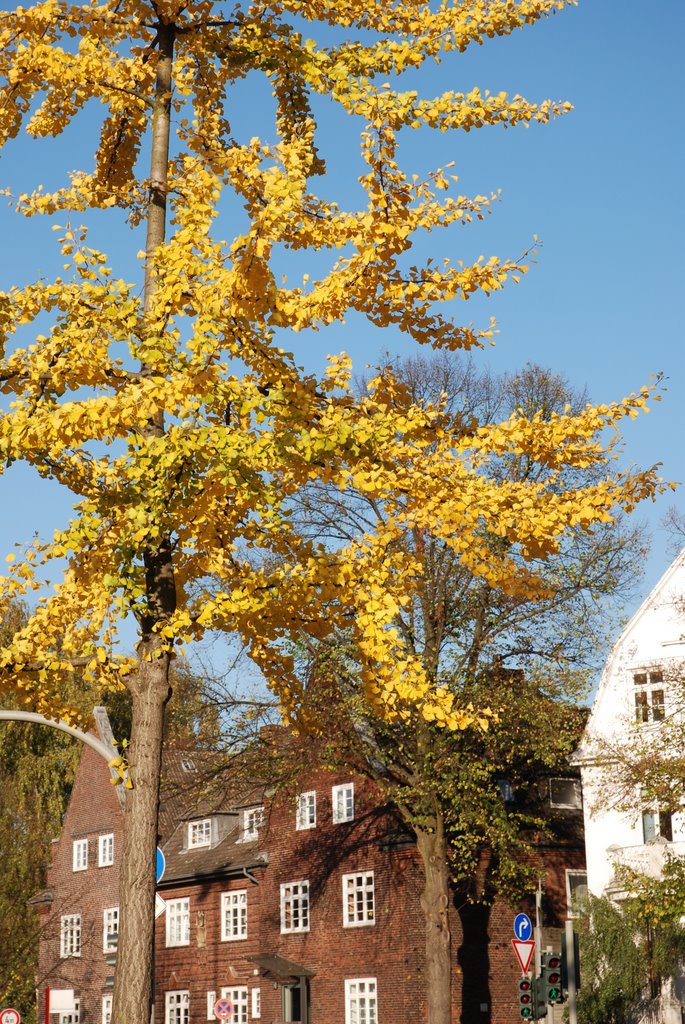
{"x": 93, "y": 810}
{"x": 485, "y": 969}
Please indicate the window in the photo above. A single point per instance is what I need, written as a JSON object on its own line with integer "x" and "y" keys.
{"x": 80, "y": 855}
{"x": 238, "y": 997}
{"x": 565, "y": 793}
{"x": 342, "y": 798}
{"x": 358, "y": 899}
{"x": 177, "y": 1007}
{"x": 361, "y": 1005}
{"x": 106, "y": 850}
{"x": 256, "y": 1003}
{"x": 178, "y": 922}
{"x": 649, "y": 696}
{"x": 656, "y": 823}
{"x": 199, "y": 833}
{"x": 253, "y": 819}
{"x": 234, "y": 915}
{"x": 576, "y": 891}
{"x": 71, "y": 1016}
{"x": 306, "y": 810}
{"x": 211, "y": 1002}
{"x": 110, "y": 929}
{"x": 106, "y": 1009}
{"x": 70, "y": 935}
{"x": 295, "y": 907}
{"x": 506, "y": 790}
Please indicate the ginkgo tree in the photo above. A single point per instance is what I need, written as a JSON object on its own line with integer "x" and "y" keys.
{"x": 180, "y": 421}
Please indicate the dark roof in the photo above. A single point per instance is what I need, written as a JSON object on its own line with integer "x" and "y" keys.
{"x": 199, "y": 785}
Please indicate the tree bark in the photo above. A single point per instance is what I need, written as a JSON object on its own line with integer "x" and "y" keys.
{"x": 435, "y": 901}
{"x": 133, "y": 987}
{"x": 134, "y": 983}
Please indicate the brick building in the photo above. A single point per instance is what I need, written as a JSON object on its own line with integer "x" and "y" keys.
{"x": 297, "y": 907}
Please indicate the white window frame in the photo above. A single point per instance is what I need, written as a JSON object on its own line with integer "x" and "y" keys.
{"x": 178, "y": 923}
{"x": 199, "y": 833}
{"x": 648, "y": 684}
{"x": 234, "y": 915}
{"x": 356, "y": 1001}
{"x": 110, "y": 917}
{"x": 572, "y": 911}
{"x": 177, "y": 1006}
{"x": 106, "y": 850}
{"x": 107, "y": 1009}
{"x": 238, "y": 996}
{"x": 71, "y": 1016}
{"x": 79, "y": 856}
{"x": 295, "y": 906}
{"x": 359, "y": 899}
{"x": 69, "y": 936}
{"x": 306, "y": 810}
{"x": 253, "y": 819}
{"x": 342, "y": 800}
{"x": 256, "y": 1000}
{"x": 577, "y": 804}
{"x": 211, "y": 1003}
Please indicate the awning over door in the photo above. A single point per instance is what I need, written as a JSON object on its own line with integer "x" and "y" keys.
{"x": 279, "y": 968}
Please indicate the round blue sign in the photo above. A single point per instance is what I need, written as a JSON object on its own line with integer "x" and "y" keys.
{"x": 523, "y": 929}
{"x": 160, "y": 865}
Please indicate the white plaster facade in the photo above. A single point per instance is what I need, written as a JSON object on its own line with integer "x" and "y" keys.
{"x": 636, "y": 692}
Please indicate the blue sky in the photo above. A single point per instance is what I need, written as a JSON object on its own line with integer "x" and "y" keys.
{"x": 601, "y": 187}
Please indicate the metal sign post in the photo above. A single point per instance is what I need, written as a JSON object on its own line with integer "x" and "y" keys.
{"x": 571, "y": 971}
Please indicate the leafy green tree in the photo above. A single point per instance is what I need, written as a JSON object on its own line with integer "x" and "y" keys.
{"x": 628, "y": 947}
{"x": 524, "y": 657}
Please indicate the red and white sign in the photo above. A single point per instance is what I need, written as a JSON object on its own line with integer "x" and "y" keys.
{"x": 524, "y": 953}
{"x": 223, "y": 1008}
{"x": 10, "y": 1016}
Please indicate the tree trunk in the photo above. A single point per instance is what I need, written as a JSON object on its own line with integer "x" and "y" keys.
{"x": 133, "y": 991}
{"x": 435, "y": 904}
{"x": 134, "y": 983}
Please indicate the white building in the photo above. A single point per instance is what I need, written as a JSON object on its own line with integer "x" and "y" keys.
{"x": 636, "y": 695}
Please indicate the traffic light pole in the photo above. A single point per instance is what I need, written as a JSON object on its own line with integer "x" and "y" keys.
{"x": 571, "y": 972}
{"x": 537, "y": 935}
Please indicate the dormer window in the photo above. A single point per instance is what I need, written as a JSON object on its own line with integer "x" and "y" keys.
{"x": 199, "y": 833}
{"x": 649, "y": 696}
{"x": 253, "y": 819}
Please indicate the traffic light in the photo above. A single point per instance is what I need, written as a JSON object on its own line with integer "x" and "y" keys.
{"x": 526, "y": 1007}
{"x": 540, "y": 995}
{"x": 550, "y": 975}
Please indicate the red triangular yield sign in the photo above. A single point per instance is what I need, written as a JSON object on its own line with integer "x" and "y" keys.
{"x": 524, "y": 952}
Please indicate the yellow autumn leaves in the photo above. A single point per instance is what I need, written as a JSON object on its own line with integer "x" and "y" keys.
{"x": 239, "y": 428}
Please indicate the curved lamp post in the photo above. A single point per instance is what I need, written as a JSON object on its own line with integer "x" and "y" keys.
{"x": 109, "y": 753}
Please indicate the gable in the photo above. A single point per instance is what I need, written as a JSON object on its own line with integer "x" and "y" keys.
{"x": 654, "y": 638}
